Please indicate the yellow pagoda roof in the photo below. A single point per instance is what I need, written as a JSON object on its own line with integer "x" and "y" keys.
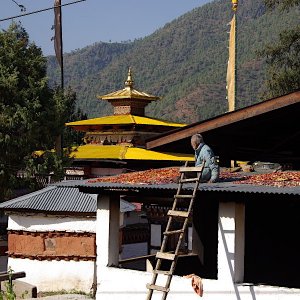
{"x": 124, "y": 120}
{"x": 129, "y": 92}
{"x": 114, "y": 152}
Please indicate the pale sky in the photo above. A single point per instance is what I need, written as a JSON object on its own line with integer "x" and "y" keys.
{"x": 93, "y": 21}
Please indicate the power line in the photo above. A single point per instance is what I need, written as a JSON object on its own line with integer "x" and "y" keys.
{"x": 41, "y": 10}
{"x": 23, "y": 8}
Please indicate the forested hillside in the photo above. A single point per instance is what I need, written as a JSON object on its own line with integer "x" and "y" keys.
{"x": 184, "y": 62}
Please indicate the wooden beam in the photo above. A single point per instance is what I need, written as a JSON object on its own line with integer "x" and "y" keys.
{"x": 6, "y": 276}
{"x": 226, "y": 119}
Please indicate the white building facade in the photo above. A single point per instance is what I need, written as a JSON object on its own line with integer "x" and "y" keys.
{"x": 56, "y": 253}
{"x": 115, "y": 283}
{"x": 52, "y": 238}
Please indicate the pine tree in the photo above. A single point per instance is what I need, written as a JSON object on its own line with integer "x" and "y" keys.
{"x": 31, "y": 114}
{"x": 283, "y": 57}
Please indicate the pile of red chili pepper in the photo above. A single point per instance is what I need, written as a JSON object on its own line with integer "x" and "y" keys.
{"x": 279, "y": 179}
{"x": 151, "y": 176}
{"x": 171, "y": 175}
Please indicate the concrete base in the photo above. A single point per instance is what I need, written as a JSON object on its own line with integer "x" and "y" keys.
{"x": 59, "y": 275}
{"x": 22, "y": 289}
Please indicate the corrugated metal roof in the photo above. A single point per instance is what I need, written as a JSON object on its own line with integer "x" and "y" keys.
{"x": 59, "y": 199}
{"x": 205, "y": 187}
{"x": 65, "y": 197}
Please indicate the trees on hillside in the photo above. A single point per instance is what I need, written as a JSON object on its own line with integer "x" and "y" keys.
{"x": 284, "y": 3}
{"x": 283, "y": 57}
{"x": 185, "y": 57}
{"x": 31, "y": 114}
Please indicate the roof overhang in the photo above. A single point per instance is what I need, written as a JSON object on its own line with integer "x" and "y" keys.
{"x": 120, "y": 120}
{"x": 267, "y": 131}
{"x": 164, "y": 193}
{"x": 126, "y": 153}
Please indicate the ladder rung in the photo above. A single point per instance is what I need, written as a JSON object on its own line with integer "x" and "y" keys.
{"x": 162, "y": 272}
{"x": 183, "y": 196}
{"x": 186, "y": 180}
{"x": 157, "y": 288}
{"x": 163, "y": 255}
{"x": 190, "y": 169}
{"x": 173, "y": 232}
{"x": 178, "y": 213}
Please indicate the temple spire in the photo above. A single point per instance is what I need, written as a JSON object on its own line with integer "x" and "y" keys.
{"x": 235, "y": 4}
{"x": 129, "y": 100}
{"x": 129, "y": 82}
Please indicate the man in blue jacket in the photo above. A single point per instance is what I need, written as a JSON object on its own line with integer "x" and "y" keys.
{"x": 204, "y": 153}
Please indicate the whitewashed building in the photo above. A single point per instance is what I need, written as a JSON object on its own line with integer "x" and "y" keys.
{"x": 52, "y": 237}
{"x": 244, "y": 242}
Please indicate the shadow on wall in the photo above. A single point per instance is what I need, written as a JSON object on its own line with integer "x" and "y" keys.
{"x": 230, "y": 260}
{"x": 3, "y": 263}
{"x": 3, "y": 242}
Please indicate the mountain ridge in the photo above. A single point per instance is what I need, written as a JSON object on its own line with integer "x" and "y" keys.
{"x": 184, "y": 62}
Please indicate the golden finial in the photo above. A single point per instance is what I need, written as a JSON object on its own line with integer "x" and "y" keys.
{"x": 235, "y": 4}
{"x": 129, "y": 82}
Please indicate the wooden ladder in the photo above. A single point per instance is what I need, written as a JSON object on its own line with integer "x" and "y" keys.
{"x": 173, "y": 214}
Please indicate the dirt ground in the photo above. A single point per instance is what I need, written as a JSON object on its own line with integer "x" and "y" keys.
{"x": 62, "y": 297}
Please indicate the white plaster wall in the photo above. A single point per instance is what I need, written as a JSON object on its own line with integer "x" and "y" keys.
{"x": 226, "y": 245}
{"x": 119, "y": 284}
{"x": 51, "y": 223}
{"x": 47, "y": 223}
{"x": 220, "y": 290}
{"x": 56, "y": 275}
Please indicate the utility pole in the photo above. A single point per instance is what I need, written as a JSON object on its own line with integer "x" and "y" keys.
{"x": 58, "y": 46}
{"x": 58, "y": 39}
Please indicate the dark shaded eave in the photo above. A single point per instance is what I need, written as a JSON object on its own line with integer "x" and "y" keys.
{"x": 268, "y": 131}
{"x": 30, "y": 211}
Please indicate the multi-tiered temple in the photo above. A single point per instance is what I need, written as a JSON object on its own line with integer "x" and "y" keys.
{"x": 118, "y": 141}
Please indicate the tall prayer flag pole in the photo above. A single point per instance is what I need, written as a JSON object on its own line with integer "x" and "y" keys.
{"x": 231, "y": 69}
{"x": 58, "y": 47}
